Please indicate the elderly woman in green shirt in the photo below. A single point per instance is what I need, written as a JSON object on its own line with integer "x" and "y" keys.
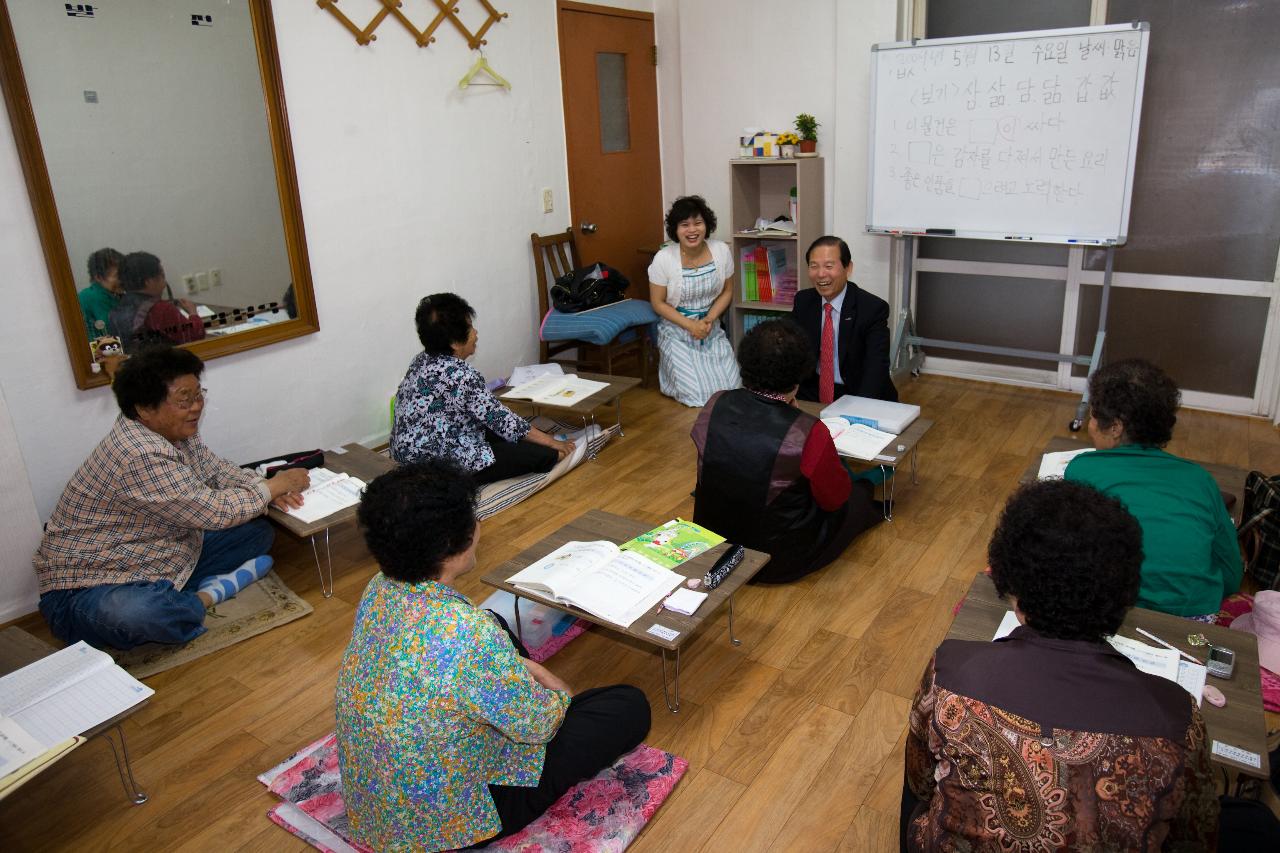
{"x": 1191, "y": 560}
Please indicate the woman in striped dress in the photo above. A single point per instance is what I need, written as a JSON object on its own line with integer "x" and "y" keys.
{"x": 690, "y": 288}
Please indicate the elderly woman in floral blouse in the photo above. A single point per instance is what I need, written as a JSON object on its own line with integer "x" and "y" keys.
{"x": 443, "y": 407}
{"x": 446, "y": 735}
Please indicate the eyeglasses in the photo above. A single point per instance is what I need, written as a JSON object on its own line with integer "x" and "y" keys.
{"x": 187, "y": 402}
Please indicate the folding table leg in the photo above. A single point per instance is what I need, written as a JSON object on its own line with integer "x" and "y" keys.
{"x": 124, "y": 767}
{"x": 675, "y": 686}
{"x": 328, "y": 561}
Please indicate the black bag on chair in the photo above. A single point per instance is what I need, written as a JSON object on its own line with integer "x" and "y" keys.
{"x": 588, "y": 287}
{"x": 1260, "y": 529}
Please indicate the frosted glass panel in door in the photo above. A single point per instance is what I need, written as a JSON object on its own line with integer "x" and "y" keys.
{"x": 615, "y": 117}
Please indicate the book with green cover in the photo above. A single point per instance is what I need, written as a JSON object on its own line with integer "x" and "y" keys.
{"x": 673, "y": 543}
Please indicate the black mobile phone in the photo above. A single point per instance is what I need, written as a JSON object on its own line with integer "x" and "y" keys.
{"x": 1222, "y": 661}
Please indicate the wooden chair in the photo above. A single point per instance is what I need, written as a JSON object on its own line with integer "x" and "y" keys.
{"x": 553, "y": 256}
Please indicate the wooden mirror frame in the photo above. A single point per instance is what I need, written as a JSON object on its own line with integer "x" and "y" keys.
{"x": 40, "y": 190}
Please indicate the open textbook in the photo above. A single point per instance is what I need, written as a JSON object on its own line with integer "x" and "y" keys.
{"x": 1165, "y": 663}
{"x": 329, "y": 492}
{"x": 46, "y": 704}
{"x": 600, "y": 578}
{"x": 857, "y": 440}
{"x": 553, "y": 390}
{"x": 1053, "y": 466}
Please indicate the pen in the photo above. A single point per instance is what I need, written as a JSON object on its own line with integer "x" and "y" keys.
{"x": 1152, "y": 636}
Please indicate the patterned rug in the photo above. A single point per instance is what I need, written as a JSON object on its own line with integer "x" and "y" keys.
{"x": 258, "y": 608}
{"x": 495, "y": 497}
{"x": 600, "y": 815}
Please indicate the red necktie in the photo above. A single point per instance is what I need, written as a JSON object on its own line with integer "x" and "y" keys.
{"x": 826, "y": 359}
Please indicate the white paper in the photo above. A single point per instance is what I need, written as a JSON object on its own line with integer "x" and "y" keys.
{"x": 684, "y": 601}
{"x": 1165, "y": 663}
{"x": 1053, "y": 466}
{"x": 862, "y": 442}
{"x": 1007, "y": 624}
{"x": 528, "y": 372}
{"x": 662, "y": 632}
{"x": 1235, "y": 753}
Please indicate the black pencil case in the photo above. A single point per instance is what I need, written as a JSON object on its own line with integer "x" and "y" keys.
{"x": 303, "y": 459}
{"x": 724, "y": 566}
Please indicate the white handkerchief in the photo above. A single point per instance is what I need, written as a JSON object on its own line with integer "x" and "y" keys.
{"x": 685, "y": 601}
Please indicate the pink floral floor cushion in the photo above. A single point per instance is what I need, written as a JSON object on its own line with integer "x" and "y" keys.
{"x": 600, "y": 815}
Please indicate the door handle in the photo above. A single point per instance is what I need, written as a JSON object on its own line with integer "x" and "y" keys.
{"x": 587, "y": 228}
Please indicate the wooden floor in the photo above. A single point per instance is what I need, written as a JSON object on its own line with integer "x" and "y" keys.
{"x": 794, "y": 739}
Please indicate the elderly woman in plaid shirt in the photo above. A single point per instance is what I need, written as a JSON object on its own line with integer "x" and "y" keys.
{"x": 154, "y": 528}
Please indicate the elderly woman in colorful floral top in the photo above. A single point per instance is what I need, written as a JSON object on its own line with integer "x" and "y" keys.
{"x": 446, "y": 735}
{"x": 444, "y": 409}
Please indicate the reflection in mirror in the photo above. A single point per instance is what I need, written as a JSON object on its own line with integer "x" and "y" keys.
{"x": 159, "y": 158}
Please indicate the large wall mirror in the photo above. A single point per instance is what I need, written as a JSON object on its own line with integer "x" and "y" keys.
{"x": 157, "y": 128}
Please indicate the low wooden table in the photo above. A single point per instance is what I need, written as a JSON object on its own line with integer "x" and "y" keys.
{"x": 357, "y": 461}
{"x": 18, "y": 649}
{"x": 586, "y": 407}
{"x": 598, "y": 524}
{"x": 890, "y": 458}
{"x": 1230, "y": 480}
{"x": 1240, "y": 723}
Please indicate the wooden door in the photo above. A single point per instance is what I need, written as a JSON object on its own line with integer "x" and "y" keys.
{"x": 611, "y": 131}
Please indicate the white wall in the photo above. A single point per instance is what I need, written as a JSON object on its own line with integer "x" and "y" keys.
{"x": 758, "y": 63}
{"x": 19, "y": 526}
{"x": 174, "y": 158}
{"x": 408, "y": 186}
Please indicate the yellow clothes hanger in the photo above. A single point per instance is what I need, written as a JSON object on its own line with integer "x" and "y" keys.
{"x": 482, "y": 66}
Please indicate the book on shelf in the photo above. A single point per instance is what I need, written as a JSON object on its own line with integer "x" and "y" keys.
{"x": 328, "y": 493}
{"x": 780, "y": 227}
{"x": 764, "y": 285}
{"x": 673, "y": 543}
{"x": 748, "y": 265}
{"x": 553, "y": 390}
{"x": 599, "y": 577}
{"x": 45, "y": 706}
{"x": 782, "y": 278}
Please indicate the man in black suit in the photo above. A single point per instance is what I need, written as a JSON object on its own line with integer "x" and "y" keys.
{"x": 859, "y": 350}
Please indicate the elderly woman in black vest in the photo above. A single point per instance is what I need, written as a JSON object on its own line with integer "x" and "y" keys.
{"x": 768, "y": 474}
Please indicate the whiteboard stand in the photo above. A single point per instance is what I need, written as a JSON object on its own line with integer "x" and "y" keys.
{"x": 909, "y": 354}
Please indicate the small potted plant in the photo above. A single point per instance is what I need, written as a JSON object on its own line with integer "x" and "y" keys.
{"x": 807, "y": 127}
{"x": 787, "y": 142}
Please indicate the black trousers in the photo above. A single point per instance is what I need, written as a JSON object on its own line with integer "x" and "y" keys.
{"x": 600, "y": 725}
{"x": 514, "y": 458}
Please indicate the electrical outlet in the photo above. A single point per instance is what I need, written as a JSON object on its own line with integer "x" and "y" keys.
{"x": 547, "y": 205}
{"x": 215, "y": 278}
{"x": 202, "y": 281}
{"x": 189, "y": 283}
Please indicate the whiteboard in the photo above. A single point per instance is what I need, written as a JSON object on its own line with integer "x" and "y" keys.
{"x": 1012, "y": 136}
